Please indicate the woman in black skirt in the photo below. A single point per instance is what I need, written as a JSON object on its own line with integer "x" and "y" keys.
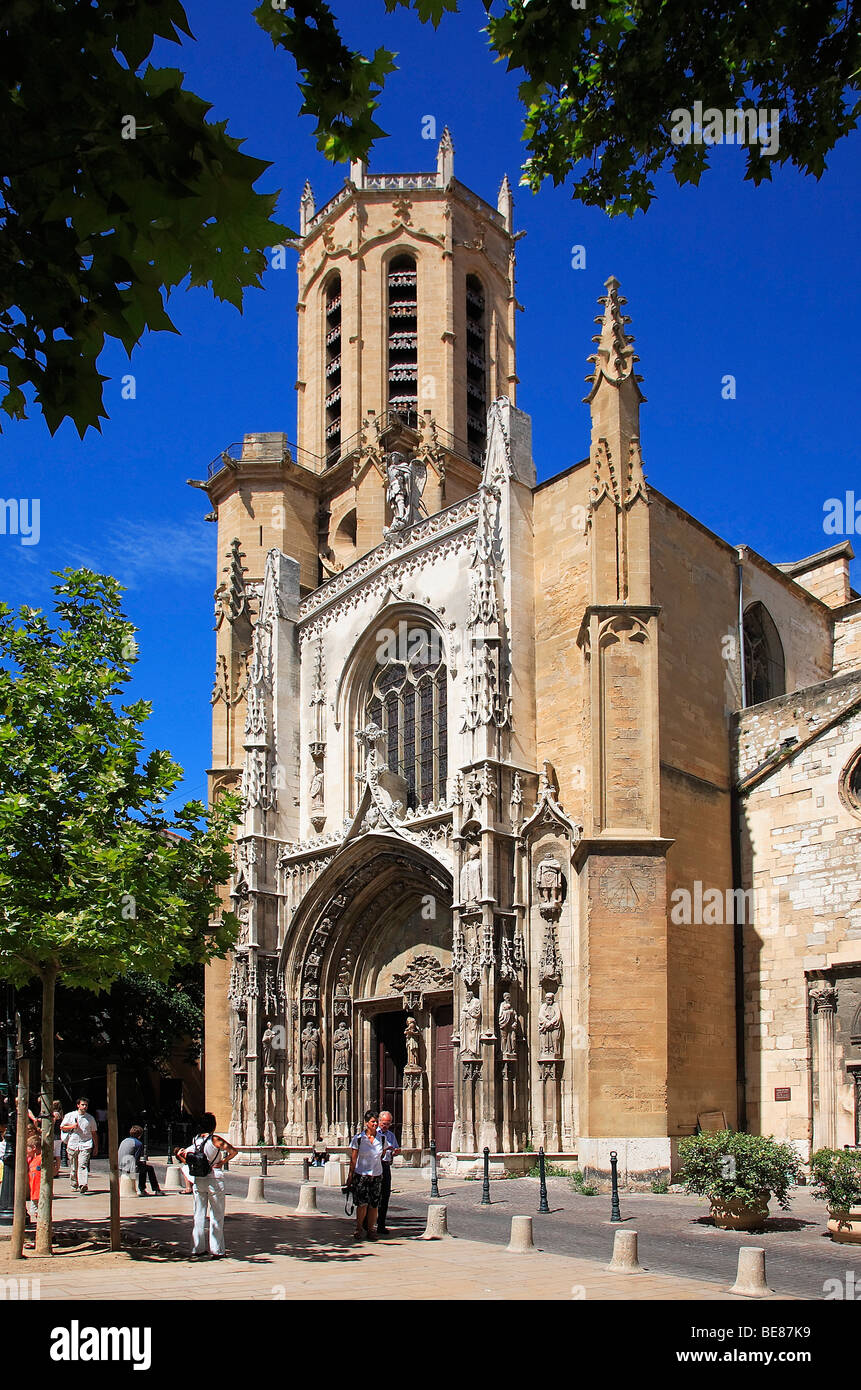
{"x": 366, "y": 1175}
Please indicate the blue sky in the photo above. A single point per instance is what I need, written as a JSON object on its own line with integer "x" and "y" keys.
{"x": 725, "y": 279}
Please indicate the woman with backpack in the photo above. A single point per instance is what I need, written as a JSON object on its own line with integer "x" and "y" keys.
{"x": 204, "y": 1158}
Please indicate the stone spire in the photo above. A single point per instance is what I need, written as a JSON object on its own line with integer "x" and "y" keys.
{"x": 445, "y": 158}
{"x": 615, "y": 395}
{"x": 615, "y": 357}
{"x": 307, "y": 207}
{"x": 505, "y": 203}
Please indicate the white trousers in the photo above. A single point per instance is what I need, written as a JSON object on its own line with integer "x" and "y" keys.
{"x": 209, "y": 1196}
{"x": 79, "y": 1164}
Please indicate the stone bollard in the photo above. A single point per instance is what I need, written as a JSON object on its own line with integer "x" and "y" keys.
{"x": 128, "y": 1186}
{"x": 521, "y": 1236}
{"x": 173, "y": 1179}
{"x": 437, "y": 1224}
{"x": 307, "y": 1200}
{"x": 625, "y": 1259}
{"x": 256, "y": 1189}
{"x": 750, "y": 1279}
{"x": 334, "y": 1172}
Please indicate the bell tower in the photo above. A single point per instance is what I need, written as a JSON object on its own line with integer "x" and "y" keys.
{"x": 406, "y": 333}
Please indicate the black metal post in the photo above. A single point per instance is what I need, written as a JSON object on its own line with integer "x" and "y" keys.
{"x": 615, "y": 1214}
{"x": 9, "y": 1027}
{"x": 542, "y": 1183}
{"x": 306, "y": 1169}
{"x": 485, "y": 1187}
{"x": 264, "y": 1166}
{"x": 434, "y": 1192}
{"x": 169, "y": 1142}
{"x": 145, "y": 1154}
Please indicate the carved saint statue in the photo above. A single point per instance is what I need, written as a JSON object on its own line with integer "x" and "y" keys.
{"x": 399, "y": 480}
{"x": 267, "y": 1046}
{"x": 507, "y": 1027}
{"x": 549, "y": 1030}
{"x": 548, "y": 881}
{"x": 470, "y": 876}
{"x": 317, "y": 788}
{"x": 240, "y": 1044}
{"x": 342, "y": 1045}
{"x": 310, "y": 1046}
{"x": 405, "y": 482}
{"x": 411, "y": 1033}
{"x": 470, "y": 1026}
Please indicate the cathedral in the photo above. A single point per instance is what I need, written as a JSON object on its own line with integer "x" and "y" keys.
{"x": 551, "y": 796}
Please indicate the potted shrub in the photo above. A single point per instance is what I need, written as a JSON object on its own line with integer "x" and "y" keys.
{"x": 739, "y": 1173}
{"x": 837, "y": 1181}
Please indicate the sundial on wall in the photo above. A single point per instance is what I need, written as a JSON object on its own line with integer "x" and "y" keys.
{"x": 626, "y": 890}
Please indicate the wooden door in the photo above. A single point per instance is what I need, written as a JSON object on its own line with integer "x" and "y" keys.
{"x": 391, "y": 1060}
{"x": 443, "y": 1078}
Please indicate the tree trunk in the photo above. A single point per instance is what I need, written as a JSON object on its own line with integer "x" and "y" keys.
{"x": 46, "y": 1192}
{"x": 113, "y": 1137}
{"x": 22, "y": 1186}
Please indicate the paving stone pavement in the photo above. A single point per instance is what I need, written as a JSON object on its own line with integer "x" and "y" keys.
{"x": 273, "y": 1254}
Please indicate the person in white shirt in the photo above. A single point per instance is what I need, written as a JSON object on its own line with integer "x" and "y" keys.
{"x": 366, "y": 1175}
{"x": 82, "y": 1144}
{"x": 208, "y": 1188}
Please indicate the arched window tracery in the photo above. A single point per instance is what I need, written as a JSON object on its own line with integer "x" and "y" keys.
{"x": 407, "y": 698}
{"x": 764, "y": 664}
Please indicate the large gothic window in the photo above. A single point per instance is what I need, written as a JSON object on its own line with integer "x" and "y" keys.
{"x": 407, "y": 698}
{"x": 764, "y": 666}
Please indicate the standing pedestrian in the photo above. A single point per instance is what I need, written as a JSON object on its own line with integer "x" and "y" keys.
{"x": 82, "y": 1144}
{"x": 392, "y": 1148}
{"x": 204, "y": 1158}
{"x": 366, "y": 1175}
{"x": 57, "y": 1120}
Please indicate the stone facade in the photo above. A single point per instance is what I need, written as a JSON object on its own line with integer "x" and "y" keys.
{"x": 493, "y": 748}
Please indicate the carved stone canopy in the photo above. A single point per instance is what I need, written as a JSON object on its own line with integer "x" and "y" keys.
{"x": 424, "y": 974}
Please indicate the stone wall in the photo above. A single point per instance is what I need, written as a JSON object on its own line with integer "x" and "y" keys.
{"x": 799, "y": 849}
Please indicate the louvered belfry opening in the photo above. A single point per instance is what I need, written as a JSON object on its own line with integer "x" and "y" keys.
{"x": 403, "y": 338}
{"x": 332, "y": 336}
{"x": 476, "y": 368}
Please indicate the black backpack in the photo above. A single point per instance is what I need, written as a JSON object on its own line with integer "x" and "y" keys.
{"x": 198, "y": 1164}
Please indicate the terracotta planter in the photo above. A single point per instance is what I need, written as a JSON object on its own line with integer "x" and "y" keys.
{"x": 845, "y": 1226}
{"x": 739, "y": 1216}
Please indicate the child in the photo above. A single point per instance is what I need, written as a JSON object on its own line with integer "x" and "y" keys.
{"x": 34, "y": 1169}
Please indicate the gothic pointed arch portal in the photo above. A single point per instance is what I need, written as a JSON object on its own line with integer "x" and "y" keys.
{"x": 369, "y": 948}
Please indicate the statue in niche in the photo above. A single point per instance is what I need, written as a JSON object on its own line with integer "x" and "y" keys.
{"x": 239, "y": 1052}
{"x": 470, "y": 1026}
{"x": 549, "y": 1030}
{"x": 316, "y": 788}
{"x": 549, "y": 881}
{"x": 470, "y": 876}
{"x": 342, "y": 1046}
{"x": 507, "y": 1027}
{"x": 267, "y": 1047}
{"x": 310, "y": 1046}
{"x": 412, "y": 1035}
{"x": 244, "y": 915}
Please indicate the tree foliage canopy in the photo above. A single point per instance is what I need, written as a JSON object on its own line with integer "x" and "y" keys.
{"x": 101, "y": 215}
{"x": 96, "y": 879}
{"x": 96, "y": 229}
